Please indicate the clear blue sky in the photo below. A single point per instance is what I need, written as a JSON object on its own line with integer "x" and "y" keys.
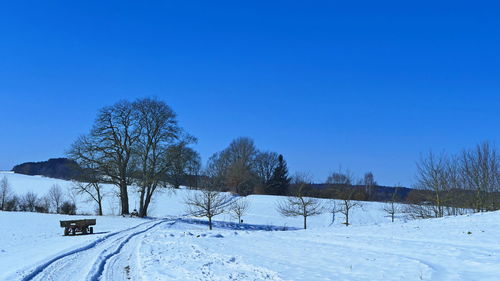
{"x": 368, "y": 85}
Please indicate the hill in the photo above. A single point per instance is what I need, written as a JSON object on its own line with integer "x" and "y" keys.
{"x": 59, "y": 168}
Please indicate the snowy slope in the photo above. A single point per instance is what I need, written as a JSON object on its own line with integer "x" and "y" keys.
{"x": 171, "y": 203}
{"x": 173, "y": 247}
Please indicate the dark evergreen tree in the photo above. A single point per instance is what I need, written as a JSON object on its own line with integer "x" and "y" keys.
{"x": 279, "y": 182}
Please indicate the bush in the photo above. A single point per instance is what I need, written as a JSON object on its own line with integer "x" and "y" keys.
{"x": 68, "y": 208}
{"x": 12, "y": 204}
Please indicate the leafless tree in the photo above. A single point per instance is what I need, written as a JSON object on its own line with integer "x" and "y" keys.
{"x": 238, "y": 208}
{"x": 56, "y": 197}
{"x": 71, "y": 195}
{"x": 345, "y": 192}
{"x": 265, "y": 164}
{"x": 390, "y": 207}
{"x": 369, "y": 183}
{"x": 183, "y": 162}
{"x": 435, "y": 175}
{"x": 340, "y": 177}
{"x": 347, "y": 203}
{"x": 109, "y": 146}
{"x": 208, "y": 202}
{"x": 235, "y": 165}
{"x": 159, "y": 130}
{"x": 481, "y": 174}
{"x": 93, "y": 190}
{"x": 5, "y": 193}
{"x": 298, "y": 204}
{"x": 333, "y": 209}
{"x": 29, "y": 202}
{"x": 44, "y": 204}
{"x": 12, "y": 204}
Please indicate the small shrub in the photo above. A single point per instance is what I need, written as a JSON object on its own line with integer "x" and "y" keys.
{"x": 68, "y": 208}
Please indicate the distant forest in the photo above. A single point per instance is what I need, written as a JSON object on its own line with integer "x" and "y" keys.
{"x": 67, "y": 169}
{"x": 59, "y": 168}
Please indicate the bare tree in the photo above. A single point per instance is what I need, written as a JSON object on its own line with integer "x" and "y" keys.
{"x": 265, "y": 164}
{"x": 298, "y": 204}
{"x": 235, "y": 166}
{"x": 238, "y": 208}
{"x": 109, "y": 146}
{"x": 158, "y": 132}
{"x": 481, "y": 175}
{"x": 5, "y": 193}
{"x": 347, "y": 203}
{"x": 44, "y": 204}
{"x": 342, "y": 180}
{"x": 29, "y": 202}
{"x": 183, "y": 162}
{"x": 56, "y": 197}
{"x": 390, "y": 206}
{"x": 72, "y": 196}
{"x": 12, "y": 204}
{"x": 340, "y": 177}
{"x": 333, "y": 209}
{"x": 434, "y": 177}
{"x": 369, "y": 183}
{"x": 93, "y": 190}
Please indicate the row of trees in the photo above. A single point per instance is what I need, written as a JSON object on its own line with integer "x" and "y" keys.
{"x": 455, "y": 184}
{"x": 55, "y": 201}
{"x": 136, "y": 143}
{"x": 211, "y": 201}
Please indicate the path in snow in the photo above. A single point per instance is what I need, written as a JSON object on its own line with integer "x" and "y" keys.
{"x": 88, "y": 262}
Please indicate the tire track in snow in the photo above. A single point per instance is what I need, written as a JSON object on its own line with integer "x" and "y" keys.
{"x": 73, "y": 257}
{"x": 99, "y": 268}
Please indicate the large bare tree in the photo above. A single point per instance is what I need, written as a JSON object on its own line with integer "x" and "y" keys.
{"x": 109, "y": 146}
{"x": 235, "y": 166}
{"x": 159, "y": 130}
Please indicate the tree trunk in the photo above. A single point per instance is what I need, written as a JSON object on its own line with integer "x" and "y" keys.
{"x": 210, "y": 223}
{"x": 141, "y": 202}
{"x": 144, "y": 210}
{"x": 124, "y": 198}
{"x": 305, "y": 222}
{"x": 99, "y": 201}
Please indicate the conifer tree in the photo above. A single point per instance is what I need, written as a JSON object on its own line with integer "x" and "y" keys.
{"x": 278, "y": 185}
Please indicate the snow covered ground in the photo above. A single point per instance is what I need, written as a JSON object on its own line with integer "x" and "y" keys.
{"x": 173, "y": 247}
{"x": 171, "y": 203}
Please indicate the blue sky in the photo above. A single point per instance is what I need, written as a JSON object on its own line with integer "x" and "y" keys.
{"x": 369, "y": 86}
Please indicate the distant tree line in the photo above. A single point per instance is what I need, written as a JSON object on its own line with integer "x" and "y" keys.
{"x": 59, "y": 168}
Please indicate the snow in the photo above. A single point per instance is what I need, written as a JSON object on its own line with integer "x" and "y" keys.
{"x": 174, "y": 247}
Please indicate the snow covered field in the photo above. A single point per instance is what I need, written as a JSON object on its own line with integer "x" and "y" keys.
{"x": 172, "y": 247}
